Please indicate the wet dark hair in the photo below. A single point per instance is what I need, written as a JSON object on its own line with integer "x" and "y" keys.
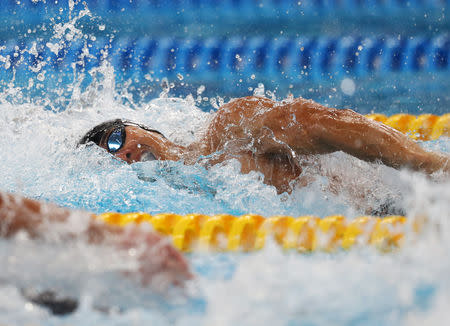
{"x": 97, "y": 134}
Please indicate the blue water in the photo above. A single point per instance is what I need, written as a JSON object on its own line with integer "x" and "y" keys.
{"x": 45, "y": 113}
{"x": 191, "y": 18}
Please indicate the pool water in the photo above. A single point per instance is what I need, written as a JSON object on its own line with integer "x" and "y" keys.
{"x": 40, "y": 129}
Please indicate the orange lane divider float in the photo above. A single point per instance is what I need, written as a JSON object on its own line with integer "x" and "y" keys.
{"x": 422, "y": 127}
{"x": 223, "y": 232}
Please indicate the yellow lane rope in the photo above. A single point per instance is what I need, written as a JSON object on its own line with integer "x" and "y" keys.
{"x": 422, "y": 127}
{"x": 223, "y": 232}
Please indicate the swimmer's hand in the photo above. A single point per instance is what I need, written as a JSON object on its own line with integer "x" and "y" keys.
{"x": 437, "y": 165}
{"x": 443, "y": 163}
{"x": 160, "y": 264}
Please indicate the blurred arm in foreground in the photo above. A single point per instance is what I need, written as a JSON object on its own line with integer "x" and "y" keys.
{"x": 158, "y": 259}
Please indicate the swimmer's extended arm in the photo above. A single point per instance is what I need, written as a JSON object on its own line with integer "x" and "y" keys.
{"x": 306, "y": 127}
{"x": 372, "y": 141}
{"x": 39, "y": 219}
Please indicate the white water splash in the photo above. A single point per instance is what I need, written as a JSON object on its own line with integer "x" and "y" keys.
{"x": 40, "y": 159}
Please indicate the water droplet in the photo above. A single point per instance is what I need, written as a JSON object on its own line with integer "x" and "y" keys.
{"x": 348, "y": 86}
{"x": 201, "y": 89}
{"x": 259, "y": 91}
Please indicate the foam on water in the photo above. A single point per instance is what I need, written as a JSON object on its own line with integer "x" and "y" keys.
{"x": 41, "y": 160}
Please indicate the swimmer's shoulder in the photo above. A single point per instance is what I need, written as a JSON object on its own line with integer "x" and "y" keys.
{"x": 250, "y": 107}
{"x": 264, "y": 102}
{"x": 247, "y": 102}
{"x": 243, "y": 107}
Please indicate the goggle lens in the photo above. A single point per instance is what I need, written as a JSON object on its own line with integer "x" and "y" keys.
{"x": 115, "y": 140}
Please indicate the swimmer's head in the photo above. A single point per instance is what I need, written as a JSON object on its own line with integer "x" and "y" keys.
{"x": 129, "y": 141}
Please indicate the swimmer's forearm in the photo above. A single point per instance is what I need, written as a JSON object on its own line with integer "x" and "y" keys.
{"x": 371, "y": 141}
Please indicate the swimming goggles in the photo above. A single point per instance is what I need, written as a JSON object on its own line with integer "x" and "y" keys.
{"x": 111, "y": 134}
{"x": 116, "y": 139}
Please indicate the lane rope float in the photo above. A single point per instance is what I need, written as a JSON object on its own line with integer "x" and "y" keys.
{"x": 253, "y": 57}
{"x": 422, "y": 127}
{"x": 219, "y": 233}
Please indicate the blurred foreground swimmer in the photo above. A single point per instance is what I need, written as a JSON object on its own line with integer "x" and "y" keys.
{"x": 159, "y": 264}
{"x": 274, "y": 138}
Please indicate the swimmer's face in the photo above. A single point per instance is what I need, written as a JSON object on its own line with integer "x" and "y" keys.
{"x": 134, "y": 144}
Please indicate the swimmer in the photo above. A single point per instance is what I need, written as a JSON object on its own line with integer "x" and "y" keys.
{"x": 157, "y": 258}
{"x": 273, "y": 138}
{"x": 160, "y": 265}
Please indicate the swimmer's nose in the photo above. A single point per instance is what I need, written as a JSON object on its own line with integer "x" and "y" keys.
{"x": 126, "y": 156}
{"x": 131, "y": 153}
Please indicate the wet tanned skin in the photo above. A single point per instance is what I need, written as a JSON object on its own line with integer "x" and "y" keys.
{"x": 157, "y": 258}
{"x": 268, "y": 136}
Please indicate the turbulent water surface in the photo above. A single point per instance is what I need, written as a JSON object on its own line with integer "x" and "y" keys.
{"x": 40, "y": 159}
